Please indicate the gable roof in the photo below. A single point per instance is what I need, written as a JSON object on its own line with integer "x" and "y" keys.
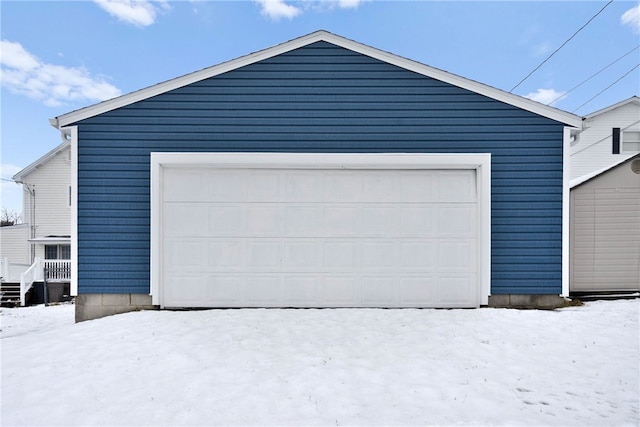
{"x": 588, "y": 177}
{"x": 19, "y": 177}
{"x": 318, "y": 36}
{"x": 633, "y": 100}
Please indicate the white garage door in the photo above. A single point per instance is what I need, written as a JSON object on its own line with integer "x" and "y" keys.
{"x": 289, "y": 236}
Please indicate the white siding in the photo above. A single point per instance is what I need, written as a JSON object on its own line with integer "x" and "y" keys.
{"x": 13, "y": 243}
{"x": 49, "y": 208}
{"x": 593, "y": 148}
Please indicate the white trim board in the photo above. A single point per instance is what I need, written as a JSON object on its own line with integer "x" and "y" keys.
{"x": 73, "y": 133}
{"x": 480, "y": 88}
{"x": 479, "y": 162}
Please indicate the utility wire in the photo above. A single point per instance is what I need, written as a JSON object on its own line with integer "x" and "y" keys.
{"x": 592, "y": 76}
{"x": 606, "y": 88}
{"x": 605, "y": 138}
{"x": 561, "y": 46}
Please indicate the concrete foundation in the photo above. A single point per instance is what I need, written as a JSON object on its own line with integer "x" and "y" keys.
{"x": 545, "y": 302}
{"x": 95, "y": 306}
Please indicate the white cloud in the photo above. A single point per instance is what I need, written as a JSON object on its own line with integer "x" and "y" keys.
{"x": 136, "y": 12}
{"x": 546, "y": 96}
{"x": 276, "y": 9}
{"x": 632, "y": 18}
{"x": 23, "y": 73}
{"x": 349, "y": 4}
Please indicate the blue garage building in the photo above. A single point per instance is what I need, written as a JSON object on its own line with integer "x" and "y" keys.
{"x": 318, "y": 173}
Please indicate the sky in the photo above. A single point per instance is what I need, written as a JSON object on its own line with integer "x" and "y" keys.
{"x": 58, "y": 56}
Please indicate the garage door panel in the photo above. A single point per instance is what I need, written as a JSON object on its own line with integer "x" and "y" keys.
{"x": 416, "y": 186}
{"x": 226, "y": 187}
{"x": 184, "y": 254}
{"x": 456, "y": 221}
{"x": 261, "y": 186}
{"x": 456, "y": 186}
{"x": 186, "y": 288}
{"x": 185, "y": 220}
{"x": 303, "y": 220}
{"x": 225, "y": 254}
{"x": 418, "y": 255}
{"x": 341, "y": 220}
{"x": 224, "y": 290}
{"x": 341, "y": 254}
{"x": 380, "y": 221}
{"x": 264, "y": 255}
{"x": 264, "y": 220}
{"x": 456, "y": 256}
{"x": 264, "y": 290}
{"x": 179, "y": 184}
{"x": 418, "y": 220}
{"x": 419, "y": 291}
{"x": 301, "y": 291}
{"x": 340, "y": 291}
{"x": 301, "y": 186}
{"x": 316, "y": 238}
{"x": 455, "y": 290}
{"x": 380, "y": 255}
{"x": 302, "y": 255}
{"x": 342, "y": 187}
{"x": 223, "y": 221}
{"x": 381, "y": 185}
{"x": 379, "y": 291}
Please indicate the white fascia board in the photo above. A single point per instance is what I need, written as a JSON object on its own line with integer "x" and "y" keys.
{"x": 633, "y": 100}
{"x": 480, "y": 88}
{"x": 19, "y": 177}
{"x": 584, "y": 178}
{"x": 481, "y": 162}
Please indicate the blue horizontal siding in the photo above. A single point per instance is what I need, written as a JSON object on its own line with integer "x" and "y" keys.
{"x": 320, "y": 98}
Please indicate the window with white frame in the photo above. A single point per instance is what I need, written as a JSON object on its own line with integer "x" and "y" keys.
{"x": 630, "y": 141}
{"x": 57, "y": 252}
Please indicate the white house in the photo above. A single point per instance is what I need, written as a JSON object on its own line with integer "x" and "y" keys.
{"x": 609, "y": 136}
{"x": 43, "y": 241}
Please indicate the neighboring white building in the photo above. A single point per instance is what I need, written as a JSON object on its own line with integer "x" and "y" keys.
{"x": 609, "y": 136}
{"x": 46, "y": 204}
{"x": 43, "y": 241}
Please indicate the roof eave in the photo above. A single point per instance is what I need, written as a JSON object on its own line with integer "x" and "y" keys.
{"x": 19, "y": 177}
{"x": 480, "y": 88}
{"x": 632, "y": 100}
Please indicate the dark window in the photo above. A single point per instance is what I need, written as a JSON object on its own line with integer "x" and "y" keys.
{"x": 616, "y": 140}
{"x": 57, "y": 252}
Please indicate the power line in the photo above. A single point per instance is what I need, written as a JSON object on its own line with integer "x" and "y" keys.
{"x": 605, "y": 138}
{"x": 606, "y": 88}
{"x": 592, "y": 76}
{"x": 561, "y": 46}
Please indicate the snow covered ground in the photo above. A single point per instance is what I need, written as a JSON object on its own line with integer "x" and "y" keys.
{"x": 574, "y": 366}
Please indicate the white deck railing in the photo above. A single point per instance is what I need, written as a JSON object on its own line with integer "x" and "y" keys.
{"x": 58, "y": 270}
{"x": 10, "y": 272}
{"x": 33, "y": 273}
